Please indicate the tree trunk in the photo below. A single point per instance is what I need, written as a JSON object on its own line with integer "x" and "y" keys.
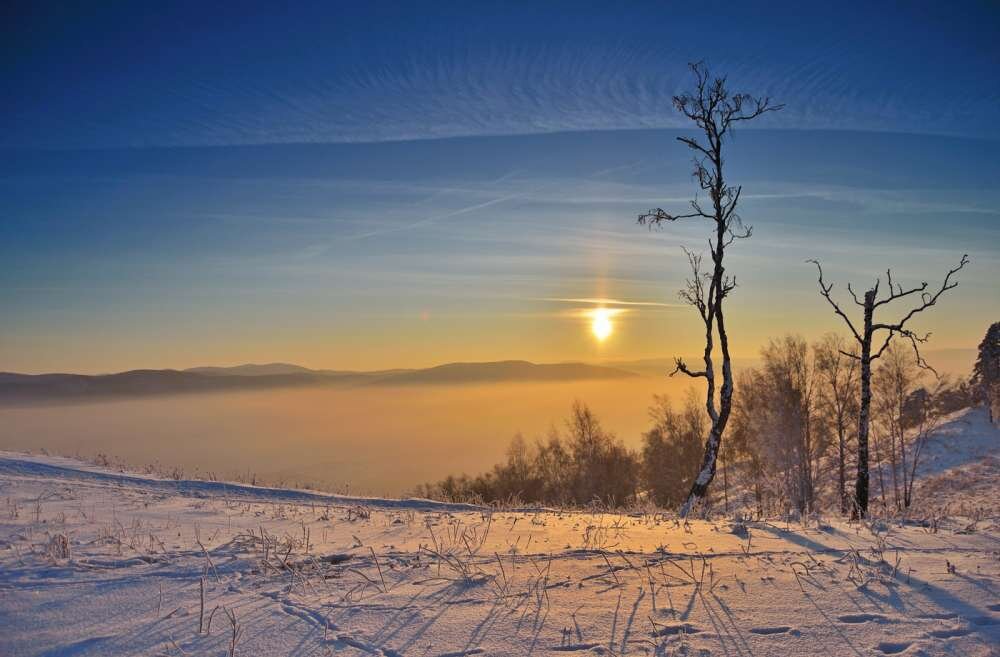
{"x": 725, "y": 486}
{"x": 842, "y": 468}
{"x": 881, "y": 471}
{"x": 706, "y": 471}
{"x": 864, "y": 415}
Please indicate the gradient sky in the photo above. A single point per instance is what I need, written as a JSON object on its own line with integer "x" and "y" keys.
{"x": 381, "y": 186}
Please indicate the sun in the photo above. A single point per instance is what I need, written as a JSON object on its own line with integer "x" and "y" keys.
{"x": 601, "y": 324}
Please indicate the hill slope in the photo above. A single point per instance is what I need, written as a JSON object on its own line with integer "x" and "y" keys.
{"x": 960, "y": 465}
{"x": 94, "y": 562}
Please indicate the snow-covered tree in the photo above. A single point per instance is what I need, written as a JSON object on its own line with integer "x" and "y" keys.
{"x": 986, "y": 373}
{"x": 868, "y": 333}
{"x": 838, "y": 400}
{"x": 716, "y": 112}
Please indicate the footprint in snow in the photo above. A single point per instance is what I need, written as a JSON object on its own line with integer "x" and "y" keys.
{"x": 783, "y": 629}
{"x": 893, "y": 647}
{"x": 944, "y": 616}
{"x": 863, "y": 618}
{"x": 948, "y": 634}
{"x": 574, "y": 647}
{"x": 680, "y": 628}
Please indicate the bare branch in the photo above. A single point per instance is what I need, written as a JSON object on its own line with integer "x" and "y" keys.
{"x": 693, "y": 144}
{"x": 681, "y": 366}
{"x": 916, "y": 340}
{"x": 854, "y": 296}
{"x": 825, "y": 289}
{"x": 694, "y": 287}
{"x": 657, "y": 216}
{"x": 927, "y": 300}
{"x": 896, "y": 290}
{"x": 888, "y": 339}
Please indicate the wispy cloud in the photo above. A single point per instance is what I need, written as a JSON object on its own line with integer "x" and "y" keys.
{"x": 604, "y": 70}
{"x": 598, "y": 301}
{"x": 434, "y": 218}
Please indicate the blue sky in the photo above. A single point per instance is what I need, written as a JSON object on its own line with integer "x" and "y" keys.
{"x": 186, "y": 73}
{"x": 405, "y": 185}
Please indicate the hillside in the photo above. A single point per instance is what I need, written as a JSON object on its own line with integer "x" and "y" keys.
{"x": 960, "y": 467}
{"x": 98, "y": 562}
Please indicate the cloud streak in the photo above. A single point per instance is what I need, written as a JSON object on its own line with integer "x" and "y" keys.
{"x": 605, "y": 70}
{"x": 600, "y": 301}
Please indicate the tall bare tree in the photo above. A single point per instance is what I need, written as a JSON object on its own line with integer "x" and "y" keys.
{"x": 871, "y": 331}
{"x": 716, "y": 112}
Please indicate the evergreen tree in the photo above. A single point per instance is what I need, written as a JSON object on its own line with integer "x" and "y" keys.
{"x": 986, "y": 372}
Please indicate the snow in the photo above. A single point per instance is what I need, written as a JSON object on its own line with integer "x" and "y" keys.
{"x": 307, "y": 573}
{"x": 960, "y": 465}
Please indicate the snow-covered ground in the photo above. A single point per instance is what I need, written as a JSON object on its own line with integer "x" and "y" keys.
{"x": 960, "y": 466}
{"x": 163, "y": 567}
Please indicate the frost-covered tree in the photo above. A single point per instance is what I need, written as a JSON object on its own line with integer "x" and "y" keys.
{"x": 671, "y": 449}
{"x": 715, "y": 111}
{"x": 872, "y": 331}
{"x": 896, "y": 384}
{"x": 778, "y": 433}
{"x": 907, "y": 412}
{"x": 838, "y": 400}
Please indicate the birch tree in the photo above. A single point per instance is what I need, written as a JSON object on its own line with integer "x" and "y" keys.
{"x": 868, "y": 337}
{"x": 838, "y": 398}
{"x": 715, "y": 111}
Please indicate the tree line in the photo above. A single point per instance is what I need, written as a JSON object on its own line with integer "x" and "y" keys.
{"x": 791, "y": 443}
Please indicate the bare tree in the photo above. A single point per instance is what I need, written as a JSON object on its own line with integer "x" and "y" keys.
{"x": 838, "y": 399}
{"x": 924, "y": 414}
{"x": 794, "y": 442}
{"x": 671, "y": 449}
{"x": 870, "y": 332}
{"x": 908, "y": 415}
{"x": 775, "y": 427}
{"x": 716, "y": 112}
{"x": 748, "y": 432}
{"x": 894, "y": 379}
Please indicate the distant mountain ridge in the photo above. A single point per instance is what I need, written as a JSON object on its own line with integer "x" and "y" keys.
{"x": 251, "y": 369}
{"x": 22, "y": 389}
{"x": 502, "y": 371}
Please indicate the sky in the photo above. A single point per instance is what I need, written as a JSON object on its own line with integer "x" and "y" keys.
{"x": 360, "y": 187}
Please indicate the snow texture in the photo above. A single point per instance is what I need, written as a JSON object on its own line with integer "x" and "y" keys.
{"x": 305, "y": 573}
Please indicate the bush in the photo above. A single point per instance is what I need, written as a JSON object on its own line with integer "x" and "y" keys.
{"x": 672, "y": 450}
{"x": 584, "y": 465}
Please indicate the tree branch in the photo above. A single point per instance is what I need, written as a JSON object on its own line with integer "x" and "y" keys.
{"x": 681, "y": 366}
{"x": 927, "y": 300}
{"x": 824, "y": 289}
{"x": 657, "y": 216}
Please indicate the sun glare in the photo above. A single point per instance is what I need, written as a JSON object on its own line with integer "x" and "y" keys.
{"x": 601, "y": 324}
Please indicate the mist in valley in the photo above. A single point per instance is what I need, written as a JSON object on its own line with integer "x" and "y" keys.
{"x": 371, "y": 440}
